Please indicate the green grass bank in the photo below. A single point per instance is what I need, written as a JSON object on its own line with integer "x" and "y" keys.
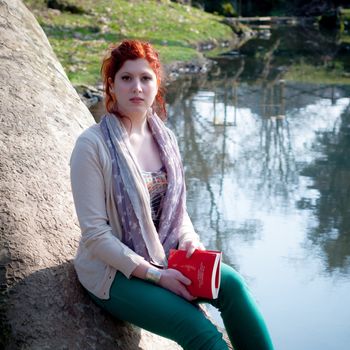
{"x": 81, "y": 30}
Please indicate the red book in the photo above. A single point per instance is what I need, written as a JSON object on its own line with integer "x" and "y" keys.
{"x": 202, "y": 268}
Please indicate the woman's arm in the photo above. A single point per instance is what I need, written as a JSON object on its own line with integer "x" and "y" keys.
{"x": 88, "y": 188}
{"x": 170, "y": 279}
{"x": 189, "y": 239}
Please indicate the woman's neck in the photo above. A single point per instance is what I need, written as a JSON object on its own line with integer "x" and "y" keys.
{"x": 136, "y": 124}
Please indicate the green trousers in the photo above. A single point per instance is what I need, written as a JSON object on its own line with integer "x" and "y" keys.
{"x": 162, "y": 312}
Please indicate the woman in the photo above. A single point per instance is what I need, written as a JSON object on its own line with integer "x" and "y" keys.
{"x": 129, "y": 193}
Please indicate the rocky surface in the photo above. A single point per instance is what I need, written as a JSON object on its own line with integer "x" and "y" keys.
{"x": 42, "y": 303}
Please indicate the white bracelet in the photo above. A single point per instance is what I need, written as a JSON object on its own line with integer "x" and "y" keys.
{"x": 153, "y": 275}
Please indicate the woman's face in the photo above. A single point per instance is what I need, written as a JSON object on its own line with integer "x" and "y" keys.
{"x": 135, "y": 87}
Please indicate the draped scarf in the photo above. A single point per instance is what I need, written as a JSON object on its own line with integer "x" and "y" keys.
{"x": 132, "y": 197}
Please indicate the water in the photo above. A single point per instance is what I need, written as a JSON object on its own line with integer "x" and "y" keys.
{"x": 268, "y": 177}
{"x": 267, "y": 164}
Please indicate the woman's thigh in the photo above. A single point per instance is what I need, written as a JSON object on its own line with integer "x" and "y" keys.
{"x": 162, "y": 312}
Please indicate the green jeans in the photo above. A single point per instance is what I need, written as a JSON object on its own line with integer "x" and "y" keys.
{"x": 162, "y": 312}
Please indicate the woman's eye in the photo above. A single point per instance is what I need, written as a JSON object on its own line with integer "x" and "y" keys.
{"x": 126, "y": 78}
{"x": 147, "y": 78}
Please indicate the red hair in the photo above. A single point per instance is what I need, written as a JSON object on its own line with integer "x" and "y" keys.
{"x": 131, "y": 50}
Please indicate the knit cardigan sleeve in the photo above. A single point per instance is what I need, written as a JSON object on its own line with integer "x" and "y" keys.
{"x": 90, "y": 190}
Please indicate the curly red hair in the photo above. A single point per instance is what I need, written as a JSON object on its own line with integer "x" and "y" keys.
{"x": 132, "y": 50}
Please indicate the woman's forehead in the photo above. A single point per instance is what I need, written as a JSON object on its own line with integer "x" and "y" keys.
{"x": 137, "y": 66}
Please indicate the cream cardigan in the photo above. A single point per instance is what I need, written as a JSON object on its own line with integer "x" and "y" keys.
{"x": 101, "y": 253}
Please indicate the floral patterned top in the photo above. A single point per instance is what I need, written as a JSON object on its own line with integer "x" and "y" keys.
{"x": 157, "y": 185}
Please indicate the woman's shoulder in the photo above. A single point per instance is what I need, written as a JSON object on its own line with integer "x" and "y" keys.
{"x": 92, "y": 137}
{"x": 92, "y": 134}
{"x": 90, "y": 141}
{"x": 171, "y": 134}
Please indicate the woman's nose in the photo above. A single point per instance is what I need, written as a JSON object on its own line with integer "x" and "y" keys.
{"x": 137, "y": 85}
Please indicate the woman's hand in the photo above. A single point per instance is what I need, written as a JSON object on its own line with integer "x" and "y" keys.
{"x": 176, "y": 282}
{"x": 191, "y": 246}
{"x": 170, "y": 279}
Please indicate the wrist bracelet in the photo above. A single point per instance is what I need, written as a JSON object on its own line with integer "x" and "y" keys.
{"x": 153, "y": 275}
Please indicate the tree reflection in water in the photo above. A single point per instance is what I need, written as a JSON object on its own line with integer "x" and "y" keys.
{"x": 250, "y": 137}
{"x": 331, "y": 177}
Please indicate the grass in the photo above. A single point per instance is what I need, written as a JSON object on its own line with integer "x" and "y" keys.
{"x": 307, "y": 73}
{"x": 345, "y": 13}
{"x": 80, "y": 40}
{"x": 345, "y": 39}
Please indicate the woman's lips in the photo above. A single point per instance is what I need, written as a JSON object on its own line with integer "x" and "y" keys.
{"x": 136, "y": 99}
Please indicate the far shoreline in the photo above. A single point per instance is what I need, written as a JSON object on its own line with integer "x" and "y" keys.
{"x": 93, "y": 94}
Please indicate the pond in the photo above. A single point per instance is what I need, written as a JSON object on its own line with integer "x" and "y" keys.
{"x": 265, "y": 139}
{"x": 267, "y": 162}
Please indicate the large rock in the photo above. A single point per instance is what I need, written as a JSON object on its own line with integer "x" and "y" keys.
{"x": 42, "y": 303}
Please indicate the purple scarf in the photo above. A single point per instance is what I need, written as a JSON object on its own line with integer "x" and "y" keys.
{"x": 131, "y": 195}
